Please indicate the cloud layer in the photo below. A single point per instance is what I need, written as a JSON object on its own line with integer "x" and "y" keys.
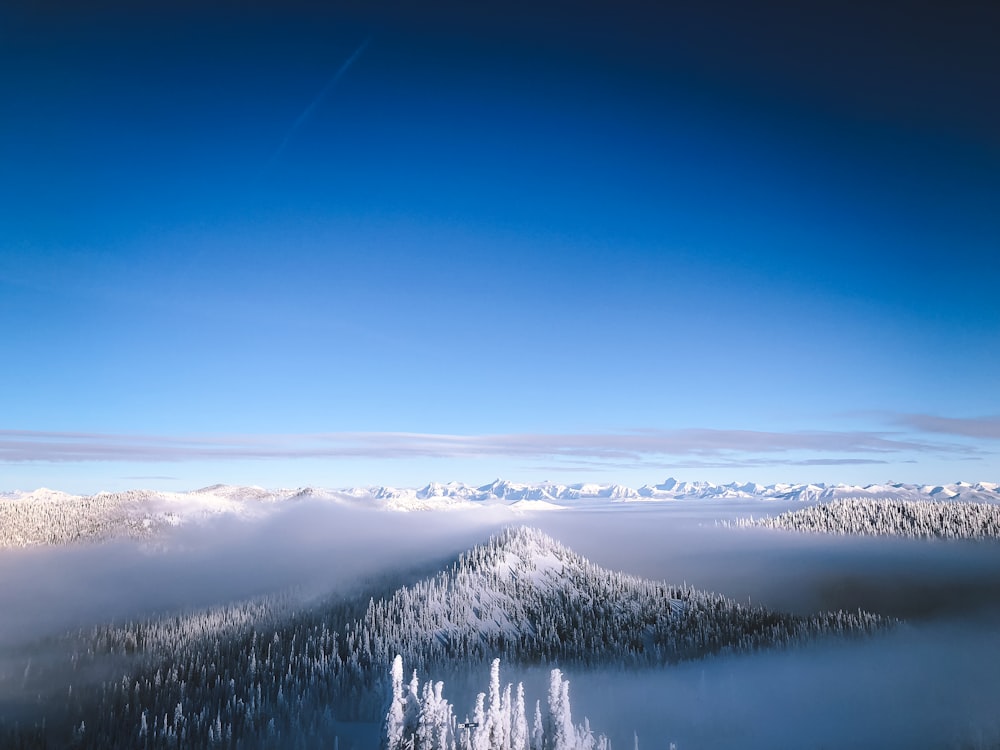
{"x": 695, "y": 446}
{"x": 974, "y": 427}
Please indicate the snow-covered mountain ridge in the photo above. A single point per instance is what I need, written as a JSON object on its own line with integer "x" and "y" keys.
{"x": 524, "y": 595}
{"x": 435, "y": 493}
{"x": 46, "y": 516}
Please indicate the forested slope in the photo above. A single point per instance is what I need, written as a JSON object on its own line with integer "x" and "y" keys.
{"x": 273, "y": 673}
{"x": 924, "y": 519}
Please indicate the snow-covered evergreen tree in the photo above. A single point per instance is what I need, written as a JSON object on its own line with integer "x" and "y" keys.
{"x": 538, "y": 729}
{"x": 495, "y": 728}
{"x": 562, "y": 731}
{"x": 480, "y": 733}
{"x": 395, "y": 719}
{"x": 519, "y": 722}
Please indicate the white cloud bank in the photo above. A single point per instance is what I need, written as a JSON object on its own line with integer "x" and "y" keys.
{"x": 693, "y": 447}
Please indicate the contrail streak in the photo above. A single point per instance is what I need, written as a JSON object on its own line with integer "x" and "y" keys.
{"x": 307, "y": 112}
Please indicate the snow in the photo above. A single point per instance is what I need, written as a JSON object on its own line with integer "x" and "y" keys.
{"x": 435, "y": 495}
{"x": 41, "y": 495}
{"x": 46, "y": 516}
{"x": 523, "y": 591}
{"x": 890, "y": 516}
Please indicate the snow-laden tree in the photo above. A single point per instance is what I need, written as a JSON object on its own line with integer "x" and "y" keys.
{"x": 586, "y": 739}
{"x": 871, "y": 516}
{"x": 519, "y": 722}
{"x": 412, "y": 709}
{"x": 562, "y": 732}
{"x": 498, "y": 721}
{"x": 435, "y": 722}
{"x": 538, "y": 729}
{"x": 493, "y": 729}
{"x": 395, "y": 719}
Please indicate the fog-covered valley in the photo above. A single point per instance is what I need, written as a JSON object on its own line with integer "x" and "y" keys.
{"x": 926, "y": 681}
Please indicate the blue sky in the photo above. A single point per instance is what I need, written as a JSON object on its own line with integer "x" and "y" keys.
{"x": 593, "y": 244}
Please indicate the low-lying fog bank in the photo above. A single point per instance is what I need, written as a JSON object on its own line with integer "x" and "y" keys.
{"x": 802, "y": 573}
{"x": 920, "y": 686}
{"x": 927, "y": 686}
{"x": 316, "y": 547}
{"x": 322, "y": 548}
{"x": 931, "y": 683}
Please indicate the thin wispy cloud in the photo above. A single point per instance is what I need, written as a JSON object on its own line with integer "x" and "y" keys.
{"x": 710, "y": 446}
{"x": 320, "y": 97}
{"x": 654, "y": 463}
{"x": 627, "y": 445}
{"x": 987, "y": 427}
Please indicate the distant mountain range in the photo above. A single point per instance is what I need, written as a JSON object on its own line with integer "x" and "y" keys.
{"x": 673, "y": 489}
{"x": 46, "y": 516}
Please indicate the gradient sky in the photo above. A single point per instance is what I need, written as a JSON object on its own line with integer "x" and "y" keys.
{"x": 388, "y": 243}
